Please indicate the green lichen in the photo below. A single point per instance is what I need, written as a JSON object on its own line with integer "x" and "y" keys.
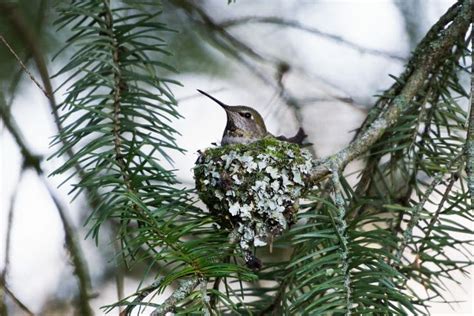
{"x": 254, "y": 187}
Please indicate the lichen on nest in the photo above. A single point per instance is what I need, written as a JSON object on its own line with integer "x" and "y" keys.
{"x": 254, "y": 188}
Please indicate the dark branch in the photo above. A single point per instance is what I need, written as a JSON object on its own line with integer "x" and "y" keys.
{"x": 470, "y": 133}
{"x": 17, "y": 301}
{"x": 31, "y": 160}
{"x": 23, "y": 66}
{"x": 312, "y": 30}
{"x": 6, "y": 262}
{"x": 32, "y": 44}
{"x": 140, "y": 296}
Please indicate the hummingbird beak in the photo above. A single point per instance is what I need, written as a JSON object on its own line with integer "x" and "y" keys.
{"x": 225, "y": 106}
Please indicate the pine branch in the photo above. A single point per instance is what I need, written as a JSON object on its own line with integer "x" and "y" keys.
{"x": 425, "y": 240}
{"x": 428, "y": 60}
{"x": 139, "y": 297}
{"x": 415, "y": 216}
{"x": 119, "y": 109}
{"x": 384, "y": 101}
{"x": 31, "y": 42}
{"x": 117, "y": 95}
{"x": 185, "y": 288}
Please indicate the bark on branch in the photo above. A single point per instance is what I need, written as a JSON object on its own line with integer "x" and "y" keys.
{"x": 470, "y": 136}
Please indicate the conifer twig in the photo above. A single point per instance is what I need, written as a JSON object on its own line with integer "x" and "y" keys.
{"x": 341, "y": 228}
{"x": 23, "y": 66}
{"x": 416, "y": 213}
{"x": 185, "y": 288}
{"x": 312, "y": 30}
{"x": 140, "y": 296}
{"x": 431, "y": 57}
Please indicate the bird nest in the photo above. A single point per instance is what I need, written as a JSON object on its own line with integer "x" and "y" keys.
{"x": 253, "y": 188}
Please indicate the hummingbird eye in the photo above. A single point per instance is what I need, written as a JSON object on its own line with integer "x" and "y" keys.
{"x": 246, "y": 114}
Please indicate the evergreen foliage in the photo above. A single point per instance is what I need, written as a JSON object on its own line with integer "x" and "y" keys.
{"x": 120, "y": 112}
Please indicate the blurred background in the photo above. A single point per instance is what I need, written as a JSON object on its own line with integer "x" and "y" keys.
{"x": 316, "y": 64}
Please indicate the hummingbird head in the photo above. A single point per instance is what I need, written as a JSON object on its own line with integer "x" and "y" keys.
{"x": 244, "y": 124}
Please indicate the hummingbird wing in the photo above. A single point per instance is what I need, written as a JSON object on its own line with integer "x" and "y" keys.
{"x": 297, "y": 139}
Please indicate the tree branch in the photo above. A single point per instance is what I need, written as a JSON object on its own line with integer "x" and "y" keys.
{"x": 140, "y": 296}
{"x": 239, "y": 50}
{"x": 30, "y": 41}
{"x": 6, "y": 262}
{"x": 34, "y": 161}
{"x": 416, "y": 214}
{"x": 425, "y": 240}
{"x": 470, "y": 133}
{"x": 297, "y": 25}
{"x": 17, "y": 301}
{"x": 429, "y": 59}
{"x": 185, "y": 288}
{"x": 117, "y": 92}
{"x": 366, "y": 183}
{"x": 23, "y": 66}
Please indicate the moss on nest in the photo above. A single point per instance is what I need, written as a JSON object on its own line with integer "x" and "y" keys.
{"x": 254, "y": 187}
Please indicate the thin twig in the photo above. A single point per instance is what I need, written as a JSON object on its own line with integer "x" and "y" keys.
{"x": 14, "y": 297}
{"x": 119, "y": 270}
{"x": 292, "y": 102}
{"x": 297, "y": 25}
{"x": 341, "y": 227}
{"x": 416, "y": 213}
{"x": 30, "y": 41}
{"x": 346, "y": 100}
{"x": 80, "y": 266}
{"x": 29, "y": 159}
{"x": 140, "y": 297}
{"x": 40, "y": 21}
{"x": 6, "y": 262}
{"x": 239, "y": 51}
{"x": 434, "y": 218}
{"x": 233, "y": 238}
{"x": 22, "y": 65}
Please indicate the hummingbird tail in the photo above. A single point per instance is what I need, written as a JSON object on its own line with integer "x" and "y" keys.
{"x": 297, "y": 139}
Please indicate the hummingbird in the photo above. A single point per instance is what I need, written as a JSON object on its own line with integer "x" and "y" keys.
{"x": 245, "y": 125}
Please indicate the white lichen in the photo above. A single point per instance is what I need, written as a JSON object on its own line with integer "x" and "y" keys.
{"x": 254, "y": 187}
